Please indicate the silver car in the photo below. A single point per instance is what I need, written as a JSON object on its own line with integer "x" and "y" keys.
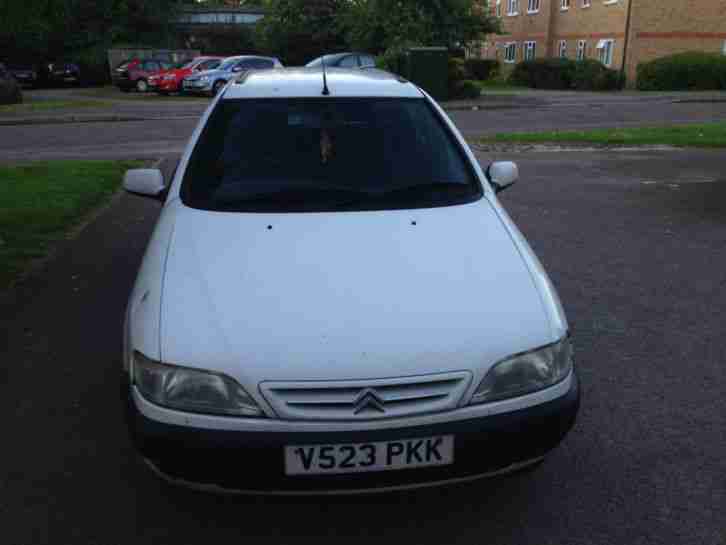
{"x": 210, "y": 82}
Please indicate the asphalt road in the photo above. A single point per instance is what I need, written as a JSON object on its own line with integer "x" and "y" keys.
{"x": 173, "y": 122}
{"x": 635, "y": 243}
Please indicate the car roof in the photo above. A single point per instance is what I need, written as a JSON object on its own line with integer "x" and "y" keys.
{"x": 308, "y": 82}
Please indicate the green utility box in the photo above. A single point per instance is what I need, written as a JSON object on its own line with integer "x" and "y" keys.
{"x": 428, "y": 67}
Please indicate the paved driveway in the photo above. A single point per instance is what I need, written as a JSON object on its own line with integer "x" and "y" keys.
{"x": 635, "y": 243}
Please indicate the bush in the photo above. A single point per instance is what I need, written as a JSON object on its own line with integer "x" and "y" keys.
{"x": 93, "y": 65}
{"x": 685, "y": 71}
{"x": 392, "y": 60}
{"x": 544, "y": 74}
{"x": 482, "y": 69}
{"x": 466, "y": 89}
{"x": 592, "y": 75}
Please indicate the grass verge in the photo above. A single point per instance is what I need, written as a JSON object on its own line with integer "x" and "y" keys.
{"x": 31, "y": 106}
{"x": 114, "y": 93}
{"x": 41, "y": 202}
{"x": 709, "y": 135}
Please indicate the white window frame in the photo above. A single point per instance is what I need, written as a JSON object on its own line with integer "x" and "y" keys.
{"x": 562, "y": 49}
{"x": 512, "y": 8}
{"x": 586, "y": 3}
{"x": 530, "y": 51}
{"x": 513, "y": 58}
{"x": 498, "y": 8}
{"x": 605, "y": 50}
{"x": 723, "y": 48}
{"x": 533, "y": 6}
{"x": 581, "y": 50}
{"x": 564, "y": 5}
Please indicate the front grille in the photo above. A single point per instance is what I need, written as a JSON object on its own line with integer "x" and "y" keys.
{"x": 366, "y": 399}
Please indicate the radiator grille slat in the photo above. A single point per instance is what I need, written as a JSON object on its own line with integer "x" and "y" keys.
{"x": 366, "y": 399}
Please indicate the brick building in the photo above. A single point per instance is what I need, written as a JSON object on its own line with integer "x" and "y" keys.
{"x": 620, "y": 33}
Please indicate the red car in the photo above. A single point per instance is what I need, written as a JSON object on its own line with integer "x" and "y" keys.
{"x": 135, "y": 73}
{"x": 170, "y": 81}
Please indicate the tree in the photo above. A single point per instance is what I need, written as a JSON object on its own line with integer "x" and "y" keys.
{"x": 377, "y": 25}
{"x": 299, "y": 30}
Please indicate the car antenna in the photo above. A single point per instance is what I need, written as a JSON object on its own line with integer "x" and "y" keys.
{"x": 326, "y": 91}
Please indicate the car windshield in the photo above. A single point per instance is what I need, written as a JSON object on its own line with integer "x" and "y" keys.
{"x": 316, "y": 155}
{"x": 228, "y": 64}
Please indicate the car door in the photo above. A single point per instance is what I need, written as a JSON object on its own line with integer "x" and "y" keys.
{"x": 150, "y": 67}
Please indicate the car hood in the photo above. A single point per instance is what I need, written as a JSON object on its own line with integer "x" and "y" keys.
{"x": 323, "y": 296}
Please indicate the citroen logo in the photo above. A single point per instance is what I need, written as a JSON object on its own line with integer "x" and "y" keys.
{"x": 368, "y": 399}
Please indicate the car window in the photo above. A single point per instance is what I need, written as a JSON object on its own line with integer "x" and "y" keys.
{"x": 260, "y": 64}
{"x": 366, "y": 61}
{"x": 351, "y": 61}
{"x": 210, "y": 65}
{"x": 166, "y": 65}
{"x": 285, "y": 155}
{"x": 151, "y": 66}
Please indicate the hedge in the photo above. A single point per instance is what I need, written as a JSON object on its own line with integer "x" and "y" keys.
{"x": 563, "y": 74}
{"x": 481, "y": 69}
{"x": 692, "y": 70}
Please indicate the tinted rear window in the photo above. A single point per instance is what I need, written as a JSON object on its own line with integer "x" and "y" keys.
{"x": 289, "y": 155}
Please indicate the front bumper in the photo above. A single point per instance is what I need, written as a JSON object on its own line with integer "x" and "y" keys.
{"x": 197, "y": 87}
{"x": 253, "y": 461}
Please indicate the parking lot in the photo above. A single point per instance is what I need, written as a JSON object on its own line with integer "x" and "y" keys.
{"x": 633, "y": 240}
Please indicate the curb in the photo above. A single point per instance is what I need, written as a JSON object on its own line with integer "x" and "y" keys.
{"x": 83, "y": 119}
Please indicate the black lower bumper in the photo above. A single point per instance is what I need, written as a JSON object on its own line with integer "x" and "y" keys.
{"x": 253, "y": 461}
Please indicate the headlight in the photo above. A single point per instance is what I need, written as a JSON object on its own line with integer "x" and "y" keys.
{"x": 526, "y": 373}
{"x": 169, "y": 77}
{"x": 191, "y": 390}
{"x": 205, "y": 79}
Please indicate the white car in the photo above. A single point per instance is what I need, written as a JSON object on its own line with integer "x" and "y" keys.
{"x": 333, "y": 300}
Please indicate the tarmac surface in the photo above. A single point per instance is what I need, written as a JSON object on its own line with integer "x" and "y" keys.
{"x": 635, "y": 243}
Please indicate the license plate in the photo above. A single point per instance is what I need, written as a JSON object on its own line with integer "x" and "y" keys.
{"x": 365, "y": 457}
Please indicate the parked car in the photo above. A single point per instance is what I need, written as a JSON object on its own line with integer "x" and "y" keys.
{"x": 135, "y": 73}
{"x": 26, "y": 75}
{"x": 10, "y": 92}
{"x": 210, "y": 82}
{"x": 62, "y": 73}
{"x": 344, "y": 60}
{"x": 170, "y": 81}
{"x": 333, "y": 299}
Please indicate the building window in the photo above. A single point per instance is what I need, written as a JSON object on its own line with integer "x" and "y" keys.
{"x": 530, "y": 51}
{"x": 563, "y": 49}
{"x": 533, "y": 6}
{"x": 586, "y": 3}
{"x": 564, "y": 4}
{"x": 605, "y": 51}
{"x": 581, "y": 50}
{"x": 498, "y": 9}
{"x": 510, "y": 52}
{"x": 512, "y": 7}
{"x": 723, "y": 51}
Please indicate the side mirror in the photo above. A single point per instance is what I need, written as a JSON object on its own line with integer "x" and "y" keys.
{"x": 147, "y": 182}
{"x": 502, "y": 175}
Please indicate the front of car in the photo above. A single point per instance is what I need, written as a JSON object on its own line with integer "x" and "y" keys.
{"x": 333, "y": 300}
{"x": 170, "y": 81}
{"x": 202, "y": 83}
